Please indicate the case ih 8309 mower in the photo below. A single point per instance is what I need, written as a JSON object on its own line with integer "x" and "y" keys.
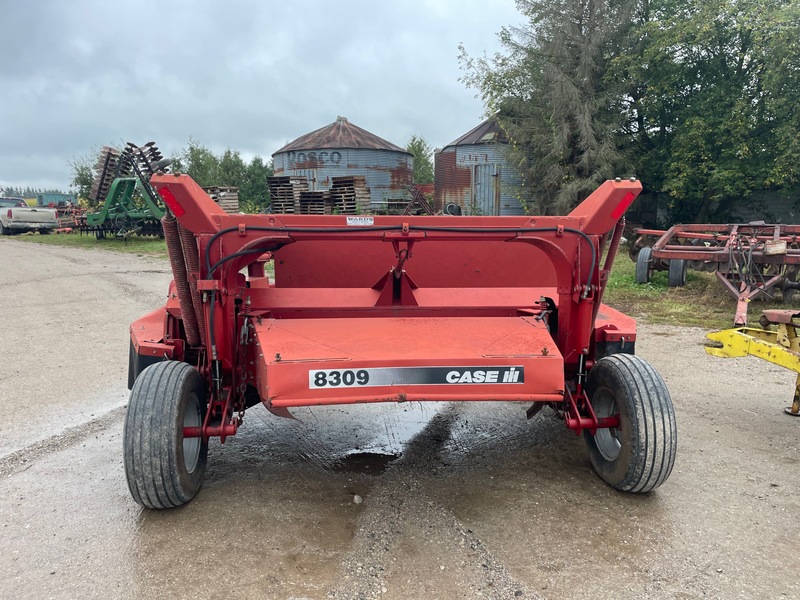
{"x": 388, "y": 309}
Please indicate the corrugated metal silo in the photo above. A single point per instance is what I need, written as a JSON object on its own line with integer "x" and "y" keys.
{"x": 473, "y": 172}
{"x": 344, "y": 149}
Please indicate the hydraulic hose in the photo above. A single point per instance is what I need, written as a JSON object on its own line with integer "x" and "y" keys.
{"x": 613, "y": 247}
{"x": 211, "y": 268}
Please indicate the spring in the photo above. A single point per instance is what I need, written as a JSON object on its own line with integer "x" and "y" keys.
{"x": 178, "y": 264}
{"x": 192, "y": 257}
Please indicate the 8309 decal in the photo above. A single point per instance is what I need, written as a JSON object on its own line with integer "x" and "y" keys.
{"x": 335, "y": 378}
{"x": 460, "y": 375}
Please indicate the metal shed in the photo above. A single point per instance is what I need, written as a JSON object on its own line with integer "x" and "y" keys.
{"x": 343, "y": 149}
{"x": 473, "y": 172}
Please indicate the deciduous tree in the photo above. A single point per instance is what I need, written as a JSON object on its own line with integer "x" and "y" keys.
{"x": 698, "y": 98}
{"x": 423, "y": 159}
{"x": 201, "y": 164}
{"x": 712, "y": 100}
{"x": 254, "y": 191}
{"x": 83, "y": 176}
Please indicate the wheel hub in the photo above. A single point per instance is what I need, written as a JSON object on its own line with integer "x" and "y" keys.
{"x": 607, "y": 439}
{"x": 191, "y": 446}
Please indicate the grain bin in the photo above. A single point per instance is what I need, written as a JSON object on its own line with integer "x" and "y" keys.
{"x": 343, "y": 149}
{"x": 473, "y": 172}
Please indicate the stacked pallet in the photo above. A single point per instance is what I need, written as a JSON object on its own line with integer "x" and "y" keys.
{"x": 285, "y": 193}
{"x": 226, "y": 197}
{"x": 350, "y": 195}
{"x": 315, "y": 203}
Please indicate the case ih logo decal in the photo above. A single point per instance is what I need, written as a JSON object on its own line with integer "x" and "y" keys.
{"x": 415, "y": 376}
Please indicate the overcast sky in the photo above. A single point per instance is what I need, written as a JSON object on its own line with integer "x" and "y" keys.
{"x": 252, "y": 76}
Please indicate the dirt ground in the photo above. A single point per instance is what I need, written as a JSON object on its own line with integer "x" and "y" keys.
{"x": 383, "y": 501}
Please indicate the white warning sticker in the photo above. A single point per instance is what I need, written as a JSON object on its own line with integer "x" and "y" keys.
{"x": 360, "y": 221}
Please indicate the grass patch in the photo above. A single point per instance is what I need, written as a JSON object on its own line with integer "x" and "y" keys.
{"x": 143, "y": 246}
{"x": 702, "y": 302}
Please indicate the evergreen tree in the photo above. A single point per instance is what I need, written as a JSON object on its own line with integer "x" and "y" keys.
{"x": 553, "y": 100}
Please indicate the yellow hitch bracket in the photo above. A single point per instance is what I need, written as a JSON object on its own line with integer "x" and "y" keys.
{"x": 780, "y": 347}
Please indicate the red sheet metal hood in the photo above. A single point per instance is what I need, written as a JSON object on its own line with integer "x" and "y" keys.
{"x": 335, "y": 361}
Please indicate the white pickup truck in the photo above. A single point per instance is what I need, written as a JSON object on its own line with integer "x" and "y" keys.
{"x": 18, "y": 217}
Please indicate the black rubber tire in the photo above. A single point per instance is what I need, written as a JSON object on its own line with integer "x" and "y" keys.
{"x": 155, "y": 464}
{"x": 44, "y": 232}
{"x": 696, "y": 265}
{"x": 647, "y": 439}
{"x": 788, "y": 296}
{"x": 788, "y": 293}
{"x": 4, "y": 230}
{"x": 643, "y": 262}
{"x": 677, "y": 272}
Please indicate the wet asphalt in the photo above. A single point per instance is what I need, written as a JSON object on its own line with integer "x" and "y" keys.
{"x": 445, "y": 500}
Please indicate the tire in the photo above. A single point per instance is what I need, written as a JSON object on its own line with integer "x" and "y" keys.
{"x": 44, "y": 232}
{"x": 639, "y": 455}
{"x": 633, "y": 251}
{"x": 4, "y": 230}
{"x": 677, "y": 273}
{"x": 163, "y": 469}
{"x": 788, "y": 294}
{"x": 696, "y": 265}
{"x": 643, "y": 262}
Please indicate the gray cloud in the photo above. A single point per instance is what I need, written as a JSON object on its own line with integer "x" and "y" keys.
{"x": 245, "y": 75}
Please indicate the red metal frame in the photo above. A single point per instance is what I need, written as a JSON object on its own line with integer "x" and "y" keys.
{"x": 766, "y": 248}
{"x": 474, "y": 301}
{"x": 719, "y": 239}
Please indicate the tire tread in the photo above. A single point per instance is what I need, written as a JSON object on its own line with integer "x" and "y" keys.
{"x": 150, "y": 436}
{"x": 677, "y": 272}
{"x": 655, "y": 429}
{"x": 643, "y": 260}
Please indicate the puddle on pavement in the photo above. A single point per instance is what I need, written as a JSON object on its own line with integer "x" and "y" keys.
{"x": 367, "y": 463}
{"x": 362, "y": 439}
{"x": 369, "y": 439}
